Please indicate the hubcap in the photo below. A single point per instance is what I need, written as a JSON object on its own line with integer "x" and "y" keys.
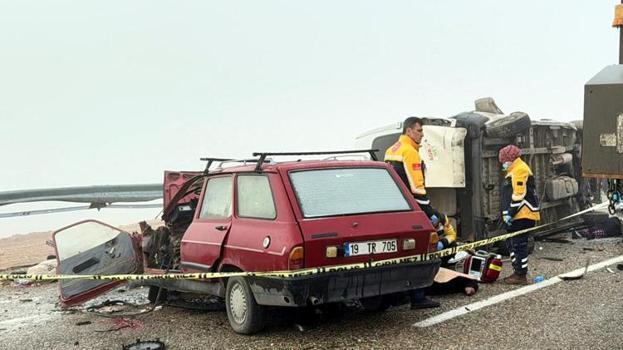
{"x": 238, "y": 303}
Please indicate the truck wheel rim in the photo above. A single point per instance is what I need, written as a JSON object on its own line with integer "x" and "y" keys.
{"x": 238, "y": 303}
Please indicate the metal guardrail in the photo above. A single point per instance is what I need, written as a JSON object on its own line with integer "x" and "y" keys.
{"x": 96, "y": 196}
{"x": 87, "y": 194}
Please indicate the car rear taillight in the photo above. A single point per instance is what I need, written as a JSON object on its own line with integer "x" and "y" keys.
{"x": 432, "y": 243}
{"x": 408, "y": 244}
{"x": 296, "y": 259}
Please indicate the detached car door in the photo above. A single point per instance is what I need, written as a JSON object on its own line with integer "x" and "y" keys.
{"x": 93, "y": 248}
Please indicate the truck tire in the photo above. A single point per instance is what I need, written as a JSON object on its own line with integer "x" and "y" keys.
{"x": 244, "y": 314}
{"x": 511, "y": 125}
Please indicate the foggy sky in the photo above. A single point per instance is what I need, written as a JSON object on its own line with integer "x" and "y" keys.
{"x": 115, "y": 92}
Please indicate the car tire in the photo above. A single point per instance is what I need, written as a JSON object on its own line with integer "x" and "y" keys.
{"x": 374, "y": 304}
{"x": 152, "y": 296}
{"x": 511, "y": 125}
{"x": 244, "y": 314}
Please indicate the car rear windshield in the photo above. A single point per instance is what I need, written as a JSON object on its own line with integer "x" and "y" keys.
{"x": 331, "y": 192}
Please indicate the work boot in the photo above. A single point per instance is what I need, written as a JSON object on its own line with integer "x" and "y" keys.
{"x": 516, "y": 279}
{"x": 424, "y": 303}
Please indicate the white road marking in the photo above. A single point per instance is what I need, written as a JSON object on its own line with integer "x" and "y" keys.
{"x": 510, "y": 294}
{"x": 20, "y": 321}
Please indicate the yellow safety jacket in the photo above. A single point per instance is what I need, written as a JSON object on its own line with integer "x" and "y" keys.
{"x": 519, "y": 197}
{"x": 404, "y": 156}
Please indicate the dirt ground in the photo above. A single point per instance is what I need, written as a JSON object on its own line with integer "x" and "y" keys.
{"x": 30, "y": 249}
{"x": 24, "y": 250}
{"x": 578, "y": 314}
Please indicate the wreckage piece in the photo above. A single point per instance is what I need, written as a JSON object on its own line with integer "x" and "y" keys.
{"x": 573, "y": 277}
{"x": 551, "y": 258}
{"x": 145, "y": 345}
{"x": 91, "y": 247}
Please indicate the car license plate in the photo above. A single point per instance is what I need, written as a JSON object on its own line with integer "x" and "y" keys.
{"x": 370, "y": 247}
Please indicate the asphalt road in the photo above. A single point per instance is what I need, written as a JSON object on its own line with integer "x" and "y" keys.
{"x": 581, "y": 314}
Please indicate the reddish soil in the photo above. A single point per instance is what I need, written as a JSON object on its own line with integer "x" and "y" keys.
{"x": 30, "y": 249}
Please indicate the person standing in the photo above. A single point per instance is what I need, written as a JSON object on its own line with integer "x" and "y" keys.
{"x": 520, "y": 209}
{"x": 405, "y": 158}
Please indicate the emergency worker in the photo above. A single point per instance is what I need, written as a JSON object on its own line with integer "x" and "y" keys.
{"x": 404, "y": 156}
{"x": 520, "y": 209}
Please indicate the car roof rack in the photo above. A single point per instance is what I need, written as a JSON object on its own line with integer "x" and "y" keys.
{"x": 211, "y": 160}
{"x": 263, "y": 155}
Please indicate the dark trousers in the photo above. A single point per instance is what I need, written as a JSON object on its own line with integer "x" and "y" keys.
{"x": 416, "y": 295}
{"x": 518, "y": 245}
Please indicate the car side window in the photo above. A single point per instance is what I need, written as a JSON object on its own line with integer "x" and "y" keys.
{"x": 217, "y": 200}
{"x": 255, "y": 199}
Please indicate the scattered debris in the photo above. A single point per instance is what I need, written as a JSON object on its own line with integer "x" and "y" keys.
{"x": 107, "y": 307}
{"x": 551, "y": 258}
{"x": 588, "y": 248}
{"x": 557, "y": 240}
{"x": 145, "y": 345}
{"x": 83, "y": 323}
{"x": 570, "y": 277}
{"x": 26, "y": 300}
{"x": 121, "y": 323}
{"x": 609, "y": 270}
{"x": 46, "y": 267}
{"x": 539, "y": 278}
{"x": 620, "y": 266}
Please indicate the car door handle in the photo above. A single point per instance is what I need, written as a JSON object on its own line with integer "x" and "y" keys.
{"x": 221, "y": 227}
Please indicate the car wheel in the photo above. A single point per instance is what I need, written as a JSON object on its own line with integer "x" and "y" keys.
{"x": 508, "y": 126}
{"x": 153, "y": 297}
{"x": 374, "y": 304}
{"x": 244, "y": 314}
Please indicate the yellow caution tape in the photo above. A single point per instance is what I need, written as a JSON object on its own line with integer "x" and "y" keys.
{"x": 296, "y": 273}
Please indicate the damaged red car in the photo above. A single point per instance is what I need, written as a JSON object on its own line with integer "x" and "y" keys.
{"x": 259, "y": 215}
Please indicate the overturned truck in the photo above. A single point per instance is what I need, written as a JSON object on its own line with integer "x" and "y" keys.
{"x": 464, "y": 177}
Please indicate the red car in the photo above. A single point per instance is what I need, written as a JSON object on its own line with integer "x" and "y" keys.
{"x": 268, "y": 216}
